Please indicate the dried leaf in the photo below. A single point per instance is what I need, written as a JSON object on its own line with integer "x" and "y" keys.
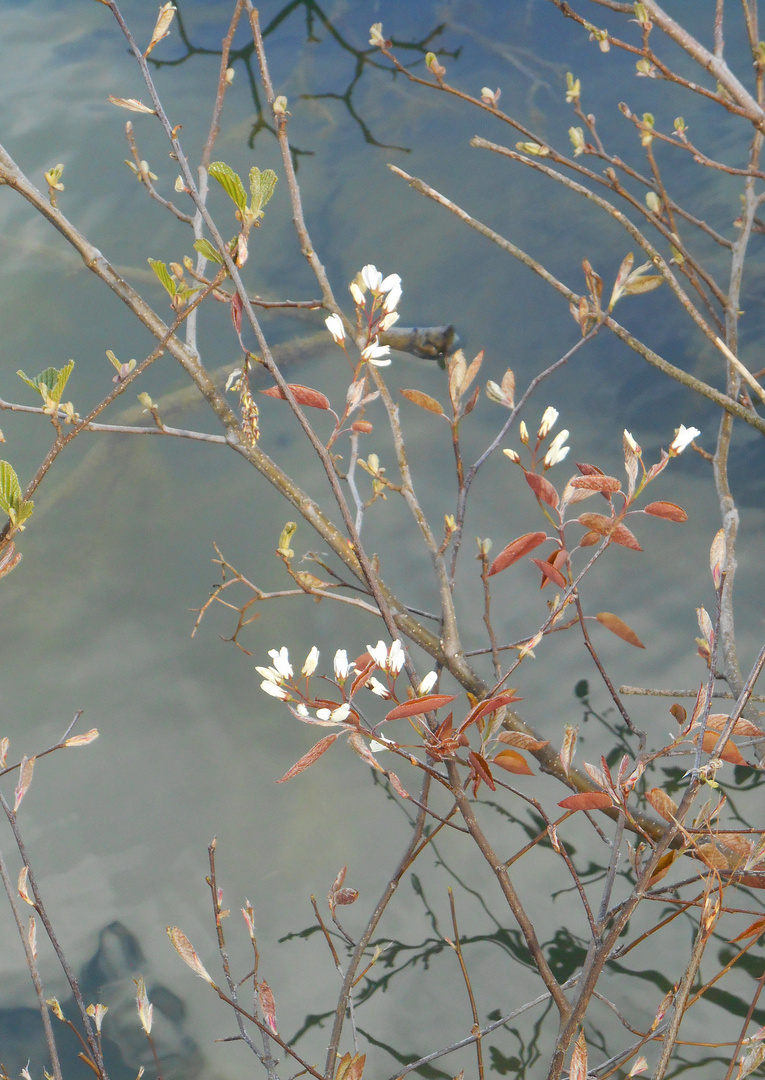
{"x": 185, "y": 950}
{"x": 350, "y": 1068}
{"x": 313, "y": 755}
{"x": 542, "y": 488}
{"x": 22, "y": 886}
{"x": 663, "y": 865}
{"x": 166, "y": 13}
{"x": 513, "y": 762}
{"x": 84, "y": 739}
{"x": 516, "y": 550}
{"x": 663, "y": 804}
{"x": 303, "y": 395}
{"x": 425, "y": 401}
{"x": 712, "y": 856}
{"x": 420, "y": 705}
{"x": 619, "y": 627}
{"x": 568, "y": 747}
{"x": 717, "y": 557}
{"x": 267, "y": 1004}
{"x": 578, "y": 1069}
{"x": 25, "y": 779}
{"x": 667, "y": 510}
{"x": 133, "y": 104}
{"x": 587, "y": 800}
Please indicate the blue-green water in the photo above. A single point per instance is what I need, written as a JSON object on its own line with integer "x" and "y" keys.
{"x": 99, "y": 614}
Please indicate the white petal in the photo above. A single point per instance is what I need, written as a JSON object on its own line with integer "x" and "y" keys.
{"x": 428, "y": 683}
{"x": 311, "y": 661}
{"x": 371, "y": 277}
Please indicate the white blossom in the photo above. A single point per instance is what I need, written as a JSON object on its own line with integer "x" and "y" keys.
{"x": 340, "y": 713}
{"x": 490, "y": 97}
{"x": 376, "y": 746}
{"x": 270, "y": 674}
{"x": 302, "y": 710}
{"x": 631, "y": 442}
{"x": 388, "y": 320}
{"x": 549, "y": 416}
{"x": 357, "y": 294}
{"x": 379, "y": 653}
{"x": 376, "y": 37}
{"x": 274, "y": 690}
{"x": 341, "y": 665}
{"x": 281, "y": 659}
{"x": 311, "y": 661}
{"x": 377, "y": 688}
{"x": 428, "y": 683}
{"x": 683, "y": 437}
{"x": 392, "y": 281}
{"x": 513, "y": 455}
{"x": 390, "y": 303}
{"x": 323, "y": 714}
{"x": 335, "y": 326}
{"x": 523, "y": 432}
{"x": 376, "y": 354}
{"x": 396, "y": 657}
{"x": 371, "y": 277}
{"x": 557, "y": 451}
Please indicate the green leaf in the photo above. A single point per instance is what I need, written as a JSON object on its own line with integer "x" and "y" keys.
{"x": 10, "y": 489}
{"x": 205, "y": 248}
{"x": 230, "y": 182}
{"x": 163, "y": 274}
{"x": 49, "y": 383}
{"x": 262, "y": 186}
{"x": 19, "y": 515}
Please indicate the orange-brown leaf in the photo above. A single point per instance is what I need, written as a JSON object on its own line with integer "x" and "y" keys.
{"x": 396, "y": 784}
{"x": 308, "y": 759}
{"x": 542, "y": 488}
{"x": 619, "y": 627}
{"x": 303, "y": 395}
{"x": 622, "y": 535}
{"x": 549, "y": 572}
{"x": 481, "y": 769}
{"x": 597, "y": 523}
{"x": 663, "y": 865}
{"x": 662, "y": 803}
{"x": 425, "y": 401}
{"x": 742, "y": 727}
{"x": 493, "y": 703}
{"x": 420, "y": 705}
{"x": 516, "y": 550}
{"x": 594, "y": 482}
{"x": 578, "y": 1069}
{"x": 513, "y": 762}
{"x": 667, "y": 510}
{"x": 754, "y": 930}
{"x": 587, "y": 800}
{"x": 730, "y": 752}
{"x": 522, "y": 740}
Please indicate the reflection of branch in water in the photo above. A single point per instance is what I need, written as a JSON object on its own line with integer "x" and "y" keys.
{"x": 363, "y": 58}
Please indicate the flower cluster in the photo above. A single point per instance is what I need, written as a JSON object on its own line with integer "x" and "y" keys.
{"x": 556, "y": 451}
{"x": 386, "y": 294}
{"x": 279, "y": 681}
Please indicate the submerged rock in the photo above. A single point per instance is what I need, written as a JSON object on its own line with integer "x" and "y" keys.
{"x": 107, "y": 979}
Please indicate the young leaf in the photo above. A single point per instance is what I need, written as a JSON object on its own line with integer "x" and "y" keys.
{"x": 622, "y": 535}
{"x": 262, "y": 186}
{"x": 161, "y": 29}
{"x": 578, "y": 1069}
{"x": 663, "y": 804}
{"x": 163, "y": 274}
{"x": 717, "y": 557}
{"x": 608, "y": 484}
{"x": 230, "y": 182}
{"x": 267, "y": 1004}
{"x": 313, "y": 755}
{"x": 303, "y": 395}
{"x": 481, "y": 769}
{"x": 568, "y": 747}
{"x": 619, "y": 627}
{"x": 425, "y": 401}
{"x": 667, "y": 510}
{"x": 420, "y": 705}
{"x": 206, "y": 249}
{"x": 10, "y": 489}
{"x": 396, "y": 785}
{"x": 521, "y": 740}
{"x": 550, "y": 572}
{"x": 493, "y": 703}
{"x": 25, "y": 779}
{"x": 133, "y": 104}
{"x": 516, "y": 550}
{"x": 730, "y": 751}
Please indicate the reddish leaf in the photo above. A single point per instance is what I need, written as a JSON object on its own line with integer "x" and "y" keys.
{"x": 362, "y": 426}
{"x": 481, "y": 769}
{"x": 542, "y": 488}
{"x": 396, "y": 784}
{"x": 313, "y": 755}
{"x": 522, "y": 740}
{"x": 513, "y": 762}
{"x": 597, "y": 523}
{"x": 425, "y": 401}
{"x": 663, "y": 804}
{"x": 588, "y": 800}
{"x": 493, "y": 703}
{"x": 622, "y": 535}
{"x": 473, "y": 401}
{"x": 590, "y": 539}
{"x": 549, "y": 571}
{"x": 267, "y": 1004}
{"x": 515, "y": 551}
{"x": 236, "y": 312}
{"x": 754, "y": 930}
{"x": 578, "y": 1067}
{"x": 669, "y": 511}
{"x": 595, "y": 482}
{"x": 589, "y": 470}
{"x": 303, "y": 395}
{"x": 420, "y": 705}
{"x": 25, "y": 779}
{"x": 619, "y": 627}
{"x": 365, "y": 670}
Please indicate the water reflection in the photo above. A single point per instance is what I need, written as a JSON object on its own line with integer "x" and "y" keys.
{"x": 118, "y": 556}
